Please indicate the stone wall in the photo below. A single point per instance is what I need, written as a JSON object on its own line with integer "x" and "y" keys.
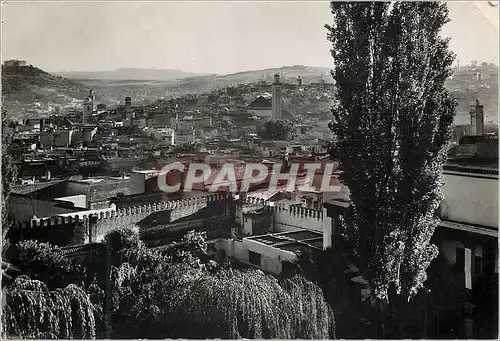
{"x": 92, "y": 226}
{"x": 61, "y": 231}
{"x": 288, "y": 217}
{"x": 283, "y": 218}
{"x": 291, "y": 218}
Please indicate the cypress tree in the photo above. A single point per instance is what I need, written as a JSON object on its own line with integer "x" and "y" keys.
{"x": 392, "y": 122}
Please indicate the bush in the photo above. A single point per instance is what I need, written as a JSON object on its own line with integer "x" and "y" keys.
{"x": 46, "y": 263}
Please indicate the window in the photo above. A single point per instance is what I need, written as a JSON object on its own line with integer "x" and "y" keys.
{"x": 254, "y": 258}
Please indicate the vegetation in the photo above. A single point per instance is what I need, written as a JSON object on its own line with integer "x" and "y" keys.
{"x": 392, "y": 121}
{"x": 25, "y": 85}
{"x": 23, "y": 79}
{"x": 45, "y": 263}
{"x": 144, "y": 293}
{"x": 226, "y": 303}
{"x": 281, "y": 130}
{"x": 32, "y": 311}
{"x": 9, "y": 177}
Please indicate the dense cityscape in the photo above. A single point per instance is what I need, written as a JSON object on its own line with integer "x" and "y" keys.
{"x": 93, "y": 247}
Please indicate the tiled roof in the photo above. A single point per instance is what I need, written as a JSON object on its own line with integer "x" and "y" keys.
{"x": 260, "y": 102}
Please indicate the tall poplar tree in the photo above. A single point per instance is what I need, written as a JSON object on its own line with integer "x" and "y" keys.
{"x": 392, "y": 122}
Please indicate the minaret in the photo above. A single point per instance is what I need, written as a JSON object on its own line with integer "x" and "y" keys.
{"x": 476, "y": 119}
{"x": 128, "y": 108}
{"x": 88, "y": 107}
{"x": 277, "y": 97}
{"x": 128, "y": 103}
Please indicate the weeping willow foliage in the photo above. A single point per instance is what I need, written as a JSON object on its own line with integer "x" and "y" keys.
{"x": 34, "y": 312}
{"x": 227, "y": 303}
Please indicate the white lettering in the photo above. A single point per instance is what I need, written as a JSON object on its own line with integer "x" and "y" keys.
{"x": 310, "y": 171}
{"x": 192, "y": 178}
{"x": 163, "y": 184}
{"x": 291, "y": 177}
{"x": 220, "y": 179}
{"x": 327, "y": 179}
{"x": 249, "y": 177}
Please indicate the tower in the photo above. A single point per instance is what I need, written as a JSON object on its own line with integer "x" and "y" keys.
{"x": 128, "y": 108}
{"x": 277, "y": 86}
{"x": 88, "y": 107}
{"x": 299, "y": 82}
{"x": 128, "y": 103}
{"x": 476, "y": 119}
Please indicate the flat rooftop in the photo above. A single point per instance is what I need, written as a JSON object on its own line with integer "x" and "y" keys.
{"x": 152, "y": 171}
{"x": 472, "y": 165}
{"x": 294, "y": 241}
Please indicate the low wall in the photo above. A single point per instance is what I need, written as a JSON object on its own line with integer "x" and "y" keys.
{"x": 271, "y": 258}
{"x": 29, "y": 188}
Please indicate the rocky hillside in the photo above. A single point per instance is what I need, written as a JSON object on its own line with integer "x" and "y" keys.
{"x": 25, "y": 85}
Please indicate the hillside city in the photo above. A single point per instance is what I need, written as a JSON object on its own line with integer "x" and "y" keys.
{"x": 91, "y": 237}
{"x": 228, "y": 122}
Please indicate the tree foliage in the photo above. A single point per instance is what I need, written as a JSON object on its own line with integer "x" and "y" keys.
{"x": 9, "y": 174}
{"x": 34, "y": 312}
{"x": 192, "y": 249}
{"x": 281, "y": 130}
{"x": 46, "y": 263}
{"x": 392, "y": 122}
{"x": 227, "y": 303}
{"x": 155, "y": 295}
{"x": 146, "y": 293}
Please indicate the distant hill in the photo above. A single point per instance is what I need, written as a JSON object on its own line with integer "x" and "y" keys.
{"x": 289, "y": 74}
{"x": 129, "y": 74}
{"x": 307, "y": 73}
{"x": 22, "y": 86}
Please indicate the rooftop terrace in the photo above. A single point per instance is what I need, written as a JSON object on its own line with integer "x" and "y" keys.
{"x": 294, "y": 241}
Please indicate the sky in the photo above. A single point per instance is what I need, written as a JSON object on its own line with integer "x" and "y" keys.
{"x": 202, "y": 37}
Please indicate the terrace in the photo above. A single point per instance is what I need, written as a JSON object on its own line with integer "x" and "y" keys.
{"x": 294, "y": 241}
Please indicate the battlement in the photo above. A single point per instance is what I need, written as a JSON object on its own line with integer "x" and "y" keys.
{"x": 112, "y": 213}
{"x": 283, "y": 209}
{"x": 253, "y": 200}
{"x": 297, "y": 211}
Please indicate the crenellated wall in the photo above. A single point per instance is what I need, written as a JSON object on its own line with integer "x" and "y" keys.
{"x": 283, "y": 218}
{"x": 291, "y": 218}
{"x": 92, "y": 225}
{"x": 57, "y": 230}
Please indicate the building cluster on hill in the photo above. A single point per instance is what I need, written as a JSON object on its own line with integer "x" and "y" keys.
{"x": 225, "y": 122}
